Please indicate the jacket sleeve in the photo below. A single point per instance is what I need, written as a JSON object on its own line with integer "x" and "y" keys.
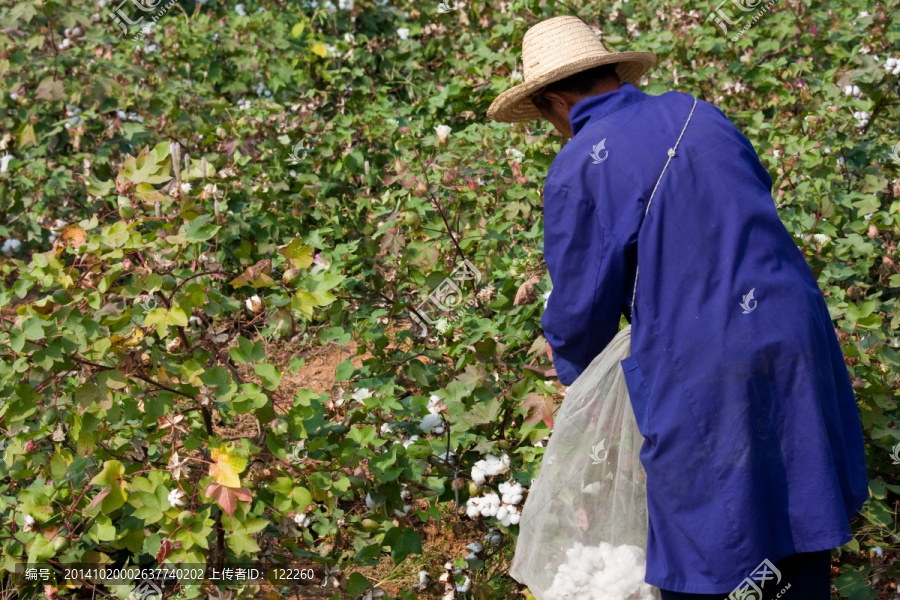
{"x": 587, "y": 271}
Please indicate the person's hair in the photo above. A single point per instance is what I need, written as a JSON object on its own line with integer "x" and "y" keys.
{"x": 580, "y": 83}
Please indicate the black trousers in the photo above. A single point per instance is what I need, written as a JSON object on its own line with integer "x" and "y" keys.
{"x": 805, "y": 576}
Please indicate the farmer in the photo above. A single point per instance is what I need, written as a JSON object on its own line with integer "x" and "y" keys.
{"x": 752, "y": 446}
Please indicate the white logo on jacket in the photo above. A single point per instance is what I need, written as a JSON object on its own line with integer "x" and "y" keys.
{"x": 596, "y": 153}
{"x": 746, "y": 300}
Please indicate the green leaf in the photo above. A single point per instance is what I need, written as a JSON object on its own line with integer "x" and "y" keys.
{"x": 298, "y": 255}
{"x": 482, "y": 412}
{"x": 357, "y": 584}
{"x": 247, "y": 351}
{"x": 269, "y": 374}
{"x": 402, "y": 542}
{"x": 112, "y": 477}
{"x": 241, "y": 543}
{"x": 199, "y": 229}
{"x": 41, "y": 549}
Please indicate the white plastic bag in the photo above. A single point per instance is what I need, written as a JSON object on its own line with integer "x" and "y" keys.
{"x": 583, "y": 530}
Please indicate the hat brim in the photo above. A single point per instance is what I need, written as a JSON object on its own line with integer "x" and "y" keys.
{"x": 515, "y": 106}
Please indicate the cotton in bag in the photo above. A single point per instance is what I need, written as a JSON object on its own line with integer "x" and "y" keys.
{"x": 583, "y": 530}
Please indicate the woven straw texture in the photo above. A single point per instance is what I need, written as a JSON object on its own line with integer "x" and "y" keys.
{"x": 553, "y": 50}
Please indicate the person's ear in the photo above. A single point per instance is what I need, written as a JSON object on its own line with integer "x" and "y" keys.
{"x": 557, "y": 102}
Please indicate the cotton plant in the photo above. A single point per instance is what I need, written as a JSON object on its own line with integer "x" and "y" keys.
{"x": 489, "y": 466}
{"x": 442, "y": 132}
{"x": 319, "y": 264}
{"x": 493, "y": 537}
{"x": 448, "y": 578}
{"x": 424, "y": 579}
{"x": 177, "y": 498}
{"x": 361, "y": 394}
{"x": 433, "y": 422}
{"x": 30, "y": 523}
{"x": 514, "y": 154}
{"x": 475, "y": 548}
{"x": 10, "y": 246}
{"x": 504, "y": 508}
{"x": 892, "y": 66}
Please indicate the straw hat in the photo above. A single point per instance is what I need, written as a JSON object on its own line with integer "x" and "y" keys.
{"x": 553, "y": 50}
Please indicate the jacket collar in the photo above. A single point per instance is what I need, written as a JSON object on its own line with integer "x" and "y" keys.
{"x": 598, "y": 107}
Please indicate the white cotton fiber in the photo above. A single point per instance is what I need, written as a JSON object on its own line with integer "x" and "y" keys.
{"x": 603, "y": 572}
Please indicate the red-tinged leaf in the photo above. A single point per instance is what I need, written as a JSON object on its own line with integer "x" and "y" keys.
{"x": 99, "y": 497}
{"x": 165, "y": 547}
{"x": 256, "y": 276}
{"x": 540, "y": 409}
{"x": 228, "y": 497}
{"x": 544, "y": 373}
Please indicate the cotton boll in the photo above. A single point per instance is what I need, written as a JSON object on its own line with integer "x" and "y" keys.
{"x": 370, "y": 503}
{"x": 435, "y": 404}
{"x": 11, "y": 246}
{"x": 411, "y": 439}
{"x": 447, "y": 457}
{"x": 477, "y": 475}
{"x": 431, "y": 423}
{"x": 502, "y": 514}
{"x": 512, "y": 492}
{"x": 492, "y": 465}
{"x": 475, "y": 547}
{"x": 493, "y": 537}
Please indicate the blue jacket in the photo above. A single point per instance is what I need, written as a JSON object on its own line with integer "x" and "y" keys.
{"x": 753, "y": 444}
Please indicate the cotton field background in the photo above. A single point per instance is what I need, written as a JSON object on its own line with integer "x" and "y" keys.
{"x": 220, "y": 230}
